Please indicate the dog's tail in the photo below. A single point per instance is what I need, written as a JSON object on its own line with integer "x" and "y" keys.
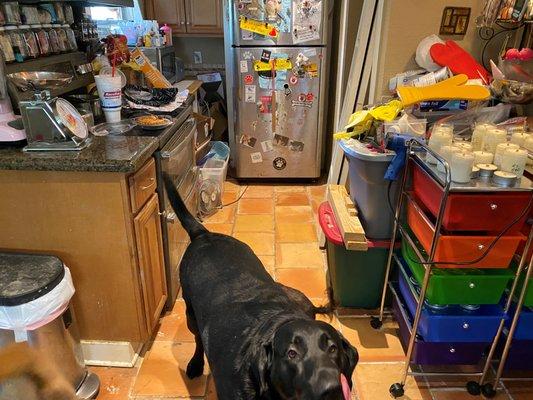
{"x": 190, "y": 224}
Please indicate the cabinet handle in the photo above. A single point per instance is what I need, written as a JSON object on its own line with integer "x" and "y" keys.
{"x": 171, "y": 218}
{"x": 152, "y": 183}
{"x": 493, "y": 206}
{"x": 466, "y": 325}
{"x": 480, "y": 247}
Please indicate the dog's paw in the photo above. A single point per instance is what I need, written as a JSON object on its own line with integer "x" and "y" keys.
{"x": 195, "y": 368}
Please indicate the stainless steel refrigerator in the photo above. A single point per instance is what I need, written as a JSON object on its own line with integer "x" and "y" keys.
{"x": 276, "y": 69}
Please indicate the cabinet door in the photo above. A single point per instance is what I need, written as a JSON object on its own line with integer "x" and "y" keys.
{"x": 204, "y": 16}
{"x": 150, "y": 254}
{"x": 171, "y": 12}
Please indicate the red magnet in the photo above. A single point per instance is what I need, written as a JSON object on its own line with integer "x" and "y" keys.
{"x": 248, "y": 79}
{"x": 301, "y": 97}
{"x": 293, "y": 80}
{"x": 310, "y": 97}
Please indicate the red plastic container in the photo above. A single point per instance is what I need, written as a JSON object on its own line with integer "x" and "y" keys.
{"x": 459, "y": 248}
{"x": 486, "y": 211}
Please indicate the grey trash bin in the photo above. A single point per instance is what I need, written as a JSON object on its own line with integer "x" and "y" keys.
{"x": 369, "y": 189}
{"x": 26, "y": 278}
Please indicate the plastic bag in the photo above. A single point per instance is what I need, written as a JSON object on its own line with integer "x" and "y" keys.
{"x": 41, "y": 311}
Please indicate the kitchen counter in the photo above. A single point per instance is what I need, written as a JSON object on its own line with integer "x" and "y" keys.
{"x": 123, "y": 154}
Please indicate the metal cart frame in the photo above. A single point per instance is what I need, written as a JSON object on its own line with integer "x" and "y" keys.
{"x": 397, "y": 389}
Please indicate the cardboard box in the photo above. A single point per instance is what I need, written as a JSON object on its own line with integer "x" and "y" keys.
{"x": 204, "y": 125}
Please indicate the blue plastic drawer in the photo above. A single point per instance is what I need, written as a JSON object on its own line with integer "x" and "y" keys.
{"x": 452, "y": 323}
{"x": 524, "y": 329}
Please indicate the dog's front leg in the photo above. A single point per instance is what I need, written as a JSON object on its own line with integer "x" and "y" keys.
{"x": 195, "y": 368}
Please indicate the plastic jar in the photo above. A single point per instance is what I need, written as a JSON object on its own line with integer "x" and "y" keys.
{"x": 69, "y": 14}
{"x": 31, "y": 41}
{"x": 42, "y": 39}
{"x": 11, "y": 12}
{"x": 5, "y": 46}
{"x": 61, "y": 38}
{"x": 52, "y": 39}
{"x": 60, "y": 12}
{"x": 44, "y": 16}
{"x": 71, "y": 37}
{"x": 20, "y": 48}
{"x": 29, "y": 14}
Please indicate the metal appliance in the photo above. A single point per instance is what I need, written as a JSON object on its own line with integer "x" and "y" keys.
{"x": 164, "y": 59}
{"x": 276, "y": 69}
{"x": 53, "y": 124}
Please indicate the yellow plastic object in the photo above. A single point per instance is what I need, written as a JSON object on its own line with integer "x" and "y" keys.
{"x": 453, "y": 88}
{"x": 387, "y": 112}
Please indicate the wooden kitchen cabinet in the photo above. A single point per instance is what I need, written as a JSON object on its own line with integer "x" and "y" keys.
{"x": 151, "y": 265}
{"x": 188, "y": 17}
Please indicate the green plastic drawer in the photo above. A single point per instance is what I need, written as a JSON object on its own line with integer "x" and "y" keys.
{"x": 459, "y": 286}
{"x": 528, "y": 300}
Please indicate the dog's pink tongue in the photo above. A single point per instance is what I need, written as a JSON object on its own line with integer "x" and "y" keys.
{"x": 345, "y": 387}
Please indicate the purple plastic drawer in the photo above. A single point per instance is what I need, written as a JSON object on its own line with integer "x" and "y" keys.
{"x": 520, "y": 354}
{"x": 452, "y": 323}
{"x": 435, "y": 353}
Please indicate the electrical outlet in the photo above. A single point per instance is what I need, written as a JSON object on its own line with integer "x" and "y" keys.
{"x": 197, "y": 55}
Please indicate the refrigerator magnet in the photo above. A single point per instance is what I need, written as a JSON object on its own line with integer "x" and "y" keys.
{"x": 265, "y": 56}
{"x": 286, "y": 89}
{"x": 244, "y": 66}
{"x": 259, "y": 27}
{"x": 293, "y": 80}
{"x": 247, "y": 140}
{"x": 254, "y": 125}
{"x": 249, "y": 94}
{"x": 247, "y": 55}
{"x": 266, "y": 105}
{"x": 248, "y": 79}
{"x": 296, "y": 146}
{"x": 267, "y": 146}
{"x": 279, "y": 163}
{"x": 280, "y": 140}
{"x": 256, "y": 158}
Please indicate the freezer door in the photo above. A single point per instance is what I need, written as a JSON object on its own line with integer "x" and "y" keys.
{"x": 279, "y": 22}
{"x": 278, "y": 112}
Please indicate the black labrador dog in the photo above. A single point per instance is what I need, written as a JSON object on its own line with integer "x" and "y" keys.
{"x": 260, "y": 337}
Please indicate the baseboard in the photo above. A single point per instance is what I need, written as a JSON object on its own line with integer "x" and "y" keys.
{"x": 110, "y": 354}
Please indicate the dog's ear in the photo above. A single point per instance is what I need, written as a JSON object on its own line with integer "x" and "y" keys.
{"x": 350, "y": 357}
{"x": 260, "y": 369}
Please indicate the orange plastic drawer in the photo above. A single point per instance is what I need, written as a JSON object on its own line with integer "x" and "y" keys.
{"x": 461, "y": 248}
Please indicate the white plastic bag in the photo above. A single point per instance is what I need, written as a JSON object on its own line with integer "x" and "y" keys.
{"x": 38, "y": 312}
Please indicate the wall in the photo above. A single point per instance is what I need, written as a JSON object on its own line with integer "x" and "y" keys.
{"x": 406, "y": 22}
{"x": 212, "y": 49}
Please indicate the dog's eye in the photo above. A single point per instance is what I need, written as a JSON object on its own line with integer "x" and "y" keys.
{"x": 332, "y": 349}
{"x": 292, "y": 354}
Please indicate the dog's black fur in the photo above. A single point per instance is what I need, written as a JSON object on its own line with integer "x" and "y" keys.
{"x": 260, "y": 337}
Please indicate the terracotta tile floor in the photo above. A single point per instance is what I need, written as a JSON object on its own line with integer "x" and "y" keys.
{"x": 279, "y": 223}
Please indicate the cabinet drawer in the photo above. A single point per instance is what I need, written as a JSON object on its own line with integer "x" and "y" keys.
{"x": 489, "y": 212}
{"x": 142, "y": 185}
{"x": 461, "y": 248}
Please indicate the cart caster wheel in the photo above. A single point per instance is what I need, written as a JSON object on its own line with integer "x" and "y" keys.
{"x": 473, "y": 388}
{"x": 396, "y": 390}
{"x": 488, "y": 391}
{"x": 376, "y": 323}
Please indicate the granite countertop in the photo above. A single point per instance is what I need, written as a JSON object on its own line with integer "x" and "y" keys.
{"x": 121, "y": 153}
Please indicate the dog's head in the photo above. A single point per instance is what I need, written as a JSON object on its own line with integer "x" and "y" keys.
{"x": 306, "y": 361}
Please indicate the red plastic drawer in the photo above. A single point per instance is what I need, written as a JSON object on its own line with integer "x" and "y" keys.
{"x": 487, "y": 211}
{"x": 461, "y": 248}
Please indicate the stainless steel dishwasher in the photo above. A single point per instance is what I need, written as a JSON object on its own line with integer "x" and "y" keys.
{"x": 177, "y": 159}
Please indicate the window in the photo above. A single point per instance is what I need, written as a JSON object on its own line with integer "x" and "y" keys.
{"x": 105, "y": 13}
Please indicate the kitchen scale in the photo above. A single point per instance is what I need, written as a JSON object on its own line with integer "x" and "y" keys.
{"x": 51, "y": 123}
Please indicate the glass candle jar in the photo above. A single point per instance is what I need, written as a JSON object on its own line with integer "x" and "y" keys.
{"x": 61, "y": 38}
{"x": 20, "y": 48}
{"x": 71, "y": 37}
{"x": 52, "y": 39}
{"x": 31, "y": 41}
{"x": 5, "y": 46}
{"x": 42, "y": 39}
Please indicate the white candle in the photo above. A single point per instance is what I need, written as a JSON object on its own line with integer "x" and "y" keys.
{"x": 492, "y": 138}
{"x": 464, "y": 146}
{"x": 461, "y": 165}
{"x": 477, "y": 135}
{"x": 438, "y": 139}
{"x": 500, "y": 149}
{"x": 514, "y": 161}
{"x": 483, "y": 157}
{"x": 519, "y": 138}
{"x": 446, "y": 152}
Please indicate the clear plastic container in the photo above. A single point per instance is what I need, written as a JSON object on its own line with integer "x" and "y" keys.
{"x": 60, "y": 12}
{"x": 69, "y": 14}
{"x": 29, "y": 14}
{"x": 71, "y": 37}
{"x": 11, "y": 12}
{"x": 5, "y": 46}
{"x": 52, "y": 38}
{"x": 61, "y": 38}
{"x": 31, "y": 41}
{"x": 42, "y": 39}
{"x": 20, "y": 48}
{"x": 44, "y": 16}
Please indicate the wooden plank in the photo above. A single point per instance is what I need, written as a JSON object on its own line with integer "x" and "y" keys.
{"x": 346, "y": 216}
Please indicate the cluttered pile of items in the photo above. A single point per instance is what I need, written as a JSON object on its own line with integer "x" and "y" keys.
{"x": 443, "y": 171}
